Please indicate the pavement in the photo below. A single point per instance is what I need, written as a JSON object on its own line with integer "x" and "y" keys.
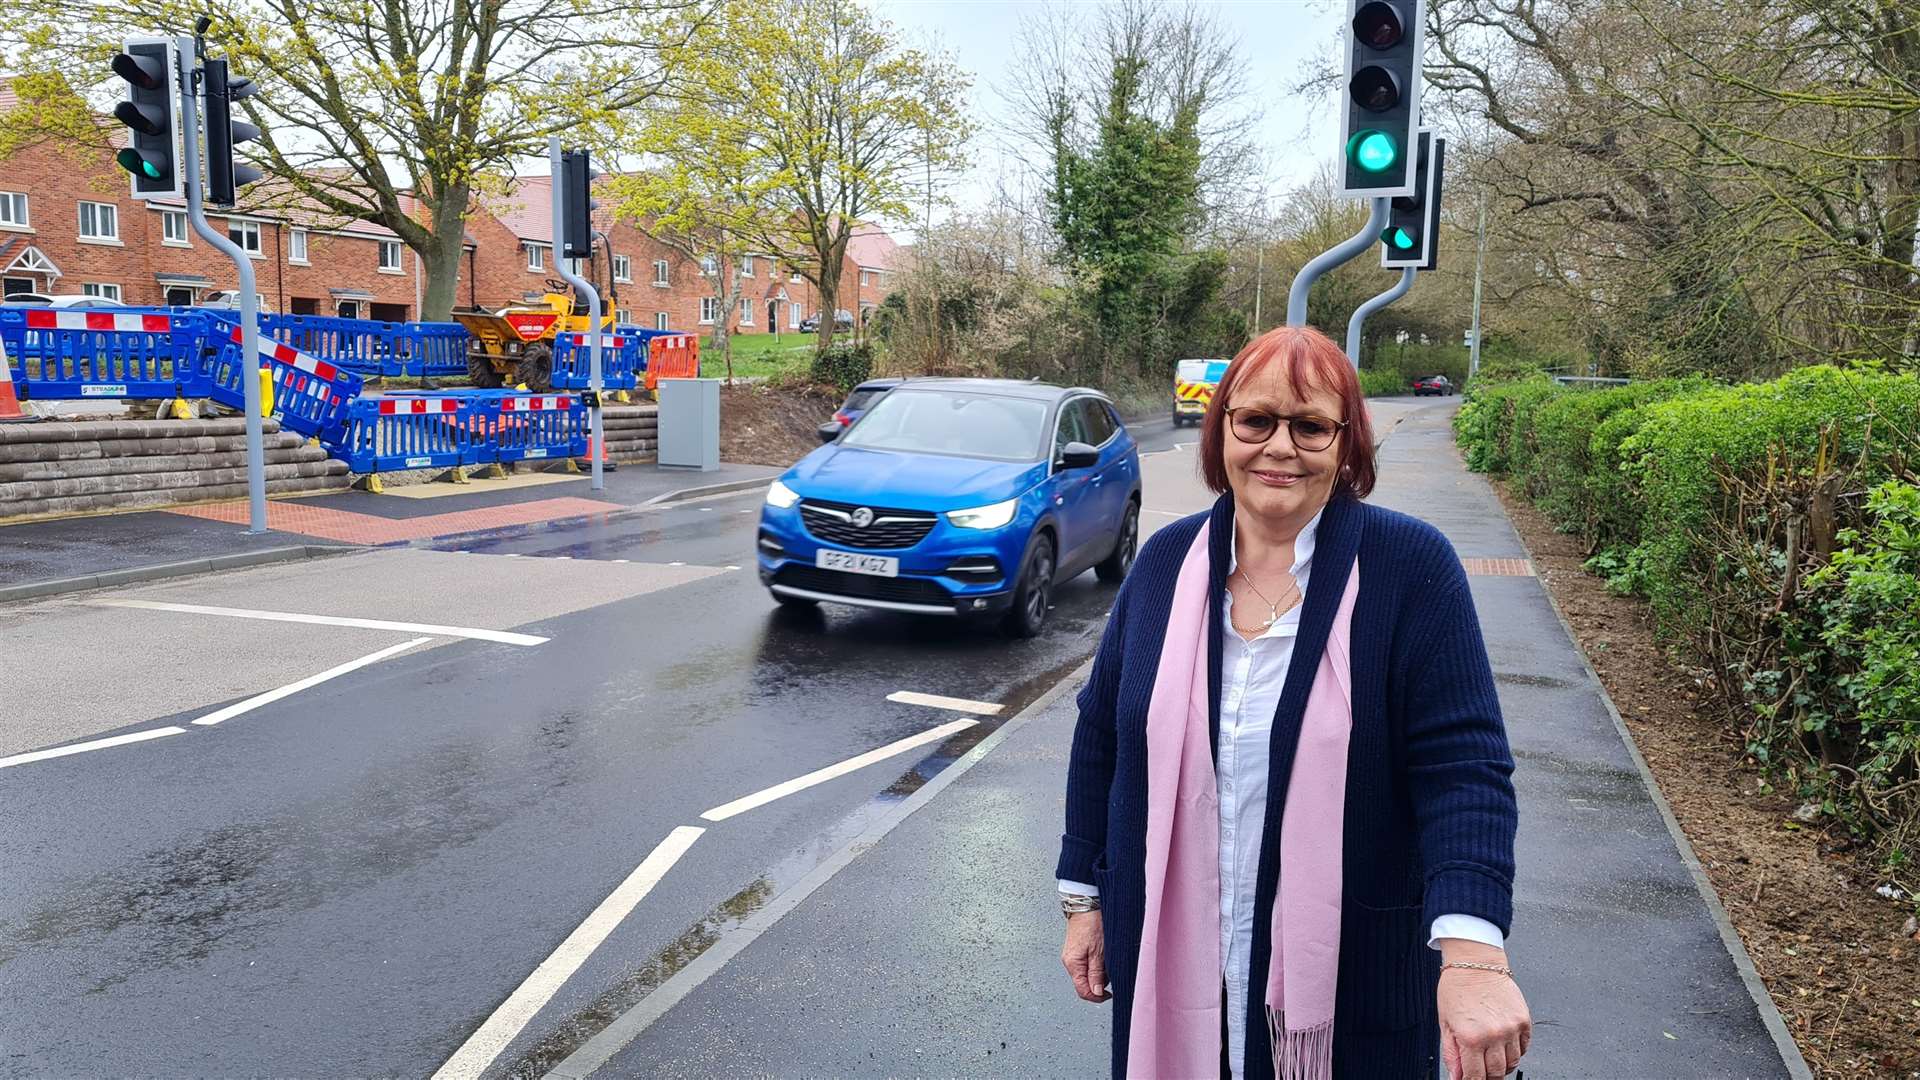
{"x": 570, "y": 796}
{"x": 948, "y": 925}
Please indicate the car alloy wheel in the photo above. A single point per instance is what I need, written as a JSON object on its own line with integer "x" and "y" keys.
{"x": 1113, "y": 569}
{"x": 1035, "y": 592}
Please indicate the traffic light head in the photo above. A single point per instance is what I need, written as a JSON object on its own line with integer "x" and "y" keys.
{"x": 577, "y": 205}
{"x": 1383, "y": 96}
{"x": 151, "y": 156}
{"x": 224, "y": 177}
{"x": 1412, "y": 235}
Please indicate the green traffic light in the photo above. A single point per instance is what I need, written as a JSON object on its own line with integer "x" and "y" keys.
{"x": 1397, "y": 237}
{"x": 1374, "y": 151}
{"x": 135, "y": 162}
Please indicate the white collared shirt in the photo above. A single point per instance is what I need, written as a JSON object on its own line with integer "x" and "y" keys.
{"x": 1252, "y": 676}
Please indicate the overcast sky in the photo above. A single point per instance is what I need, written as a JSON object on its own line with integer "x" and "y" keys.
{"x": 1279, "y": 38}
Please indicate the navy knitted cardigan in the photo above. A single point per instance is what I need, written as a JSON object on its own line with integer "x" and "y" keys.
{"x": 1430, "y": 812}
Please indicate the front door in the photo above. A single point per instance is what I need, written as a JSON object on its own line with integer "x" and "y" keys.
{"x": 773, "y": 316}
{"x": 349, "y": 309}
{"x": 14, "y": 285}
{"x": 179, "y": 296}
{"x": 1076, "y": 499}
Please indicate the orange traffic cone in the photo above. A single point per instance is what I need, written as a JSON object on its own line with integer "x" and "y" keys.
{"x": 606, "y": 464}
{"x": 9, "y": 400}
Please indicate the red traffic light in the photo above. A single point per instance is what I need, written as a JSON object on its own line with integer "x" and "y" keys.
{"x": 146, "y": 118}
{"x": 145, "y": 72}
{"x": 1378, "y": 25}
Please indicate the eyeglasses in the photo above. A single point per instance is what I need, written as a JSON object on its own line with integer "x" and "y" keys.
{"x": 1308, "y": 432}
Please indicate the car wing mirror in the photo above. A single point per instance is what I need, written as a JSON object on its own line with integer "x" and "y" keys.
{"x": 830, "y": 431}
{"x": 1078, "y": 455}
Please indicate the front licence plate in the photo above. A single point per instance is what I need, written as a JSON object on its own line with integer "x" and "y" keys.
{"x": 848, "y": 562}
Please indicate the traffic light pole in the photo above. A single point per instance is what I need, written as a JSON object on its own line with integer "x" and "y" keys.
{"x": 1479, "y": 258}
{"x": 584, "y": 287}
{"x": 1363, "y": 240}
{"x": 1359, "y": 320}
{"x": 249, "y": 302}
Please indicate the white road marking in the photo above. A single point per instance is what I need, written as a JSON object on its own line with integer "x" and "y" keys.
{"x": 951, "y": 704}
{"x": 474, "y": 1055}
{"x": 512, "y": 555}
{"x": 272, "y": 696}
{"x": 821, "y": 776}
{"x": 676, "y": 564}
{"x": 97, "y": 744}
{"x": 568, "y": 557}
{"x": 733, "y": 568}
{"x": 619, "y": 560}
{"x": 504, "y": 637}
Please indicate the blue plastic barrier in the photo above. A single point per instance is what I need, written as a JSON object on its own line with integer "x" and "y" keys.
{"x": 429, "y": 350}
{"x": 534, "y": 426}
{"x": 310, "y": 395}
{"x": 623, "y": 358}
{"x": 369, "y": 348}
{"x": 415, "y": 431}
{"x": 105, "y": 353}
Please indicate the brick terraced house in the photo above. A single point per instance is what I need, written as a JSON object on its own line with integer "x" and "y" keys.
{"x": 68, "y": 224}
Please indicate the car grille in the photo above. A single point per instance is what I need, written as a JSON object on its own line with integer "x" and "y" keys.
{"x": 891, "y": 529}
{"x": 904, "y": 590}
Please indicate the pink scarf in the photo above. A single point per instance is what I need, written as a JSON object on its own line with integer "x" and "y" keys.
{"x": 1176, "y": 1005}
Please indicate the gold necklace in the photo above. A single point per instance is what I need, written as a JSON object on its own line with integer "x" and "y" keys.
{"x": 1273, "y": 609}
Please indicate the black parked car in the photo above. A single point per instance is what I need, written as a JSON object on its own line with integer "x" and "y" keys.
{"x": 1438, "y": 385}
{"x": 842, "y": 320}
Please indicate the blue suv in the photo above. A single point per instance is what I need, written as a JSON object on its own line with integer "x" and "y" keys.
{"x": 957, "y": 497}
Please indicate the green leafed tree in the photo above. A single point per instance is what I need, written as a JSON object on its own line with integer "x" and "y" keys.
{"x": 790, "y": 124}
{"x": 388, "y": 111}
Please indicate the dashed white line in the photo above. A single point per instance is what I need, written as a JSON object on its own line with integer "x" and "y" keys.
{"x": 951, "y": 704}
{"x": 511, "y": 555}
{"x": 733, "y": 568}
{"x": 272, "y": 696}
{"x": 676, "y": 564}
{"x": 474, "y": 1055}
{"x": 97, "y": 744}
{"x": 504, "y": 637}
{"x": 821, "y": 776}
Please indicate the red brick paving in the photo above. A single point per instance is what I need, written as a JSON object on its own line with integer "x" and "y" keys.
{"x": 348, "y": 527}
{"x": 1499, "y": 567}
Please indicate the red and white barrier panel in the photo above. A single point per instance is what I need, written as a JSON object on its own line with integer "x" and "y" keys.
{"x": 537, "y": 403}
{"x": 47, "y": 319}
{"x": 292, "y": 357}
{"x": 417, "y": 406}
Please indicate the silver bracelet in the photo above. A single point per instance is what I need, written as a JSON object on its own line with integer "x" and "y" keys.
{"x": 1072, "y": 904}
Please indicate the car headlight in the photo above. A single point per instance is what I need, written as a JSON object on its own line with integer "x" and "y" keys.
{"x": 780, "y": 496}
{"x": 985, "y": 517}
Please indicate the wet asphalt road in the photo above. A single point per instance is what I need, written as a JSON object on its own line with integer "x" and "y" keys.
{"x": 350, "y": 880}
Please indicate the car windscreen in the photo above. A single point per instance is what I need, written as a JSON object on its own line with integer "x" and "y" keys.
{"x": 860, "y": 399}
{"x": 1201, "y": 371}
{"x": 953, "y": 422}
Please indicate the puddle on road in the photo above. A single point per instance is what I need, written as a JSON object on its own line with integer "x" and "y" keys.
{"x": 730, "y": 915}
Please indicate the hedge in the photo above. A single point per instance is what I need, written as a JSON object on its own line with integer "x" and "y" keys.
{"x": 1774, "y": 529}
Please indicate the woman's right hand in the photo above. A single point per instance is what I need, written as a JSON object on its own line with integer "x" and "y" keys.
{"x": 1085, "y": 956}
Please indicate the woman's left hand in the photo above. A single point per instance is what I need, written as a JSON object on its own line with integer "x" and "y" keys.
{"x": 1484, "y": 1023}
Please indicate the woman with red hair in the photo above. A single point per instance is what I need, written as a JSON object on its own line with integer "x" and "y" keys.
{"x": 1289, "y": 818}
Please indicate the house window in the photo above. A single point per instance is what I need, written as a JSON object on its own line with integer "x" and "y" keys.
{"x": 99, "y": 221}
{"x": 173, "y": 228}
{"x": 246, "y": 234}
{"x": 746, "y": 311}
{"x": 709, "y": 265}
{"x": 536, "y": 257}
{"x": 866, "y": 278}
{"x": 101, "y": 290}
{"x": 297, "y": 246}
{"x": 659, "y": 320}
{"x": 746, "y": 266}
{"x": 13, "y": 210}
{"x": 793, "y": 276}
{"x": 793, "y": 316}
{"x": 622, "y": 317}
{"x": 709, "y": 310}
{"x": 622, "y": 268}
{"x": 660, "y": 272}
{"x": 390, "y": 256}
